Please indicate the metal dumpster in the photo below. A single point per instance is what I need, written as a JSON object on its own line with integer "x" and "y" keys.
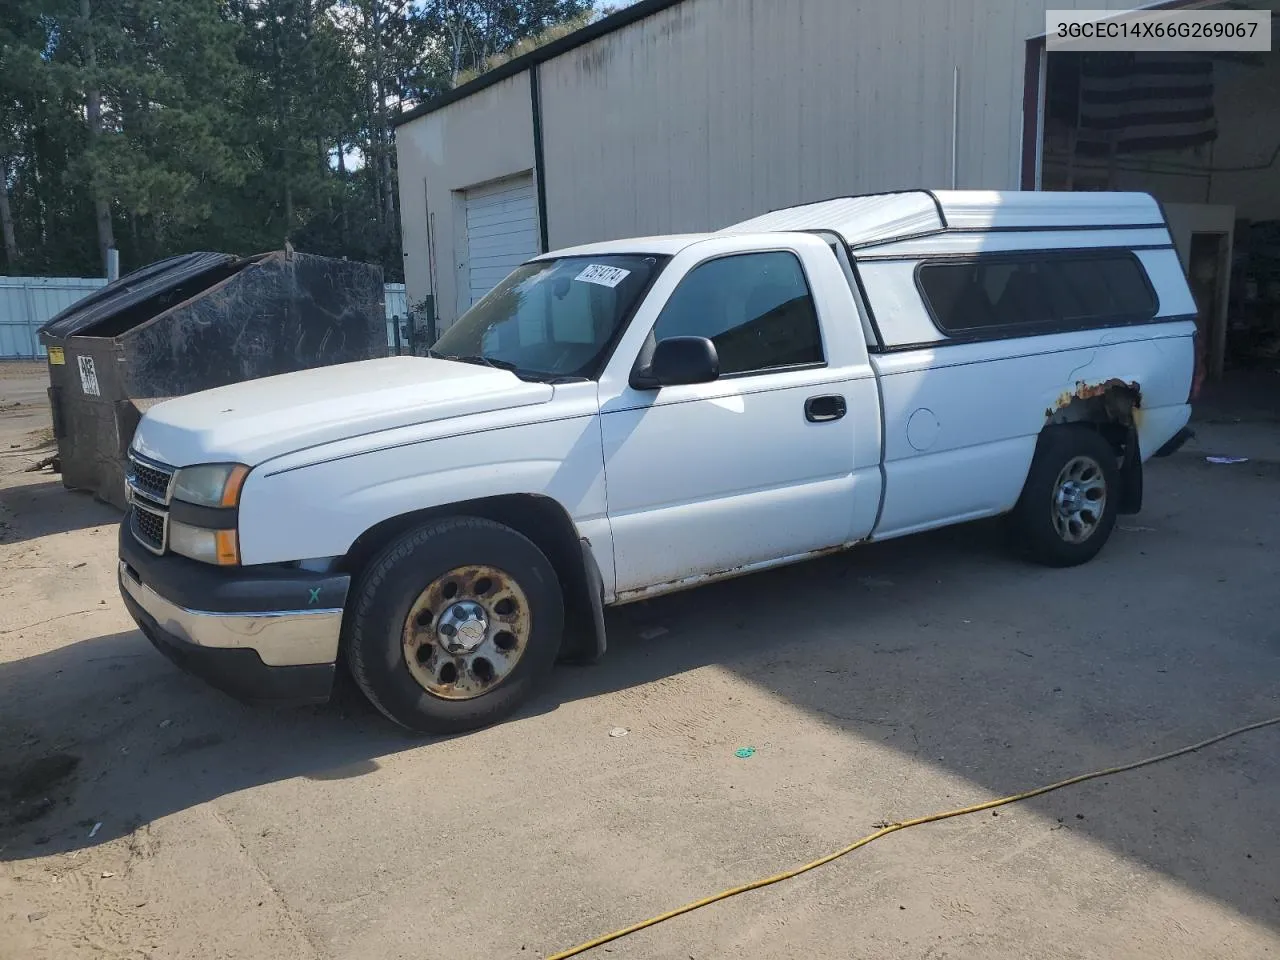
{"x": 190, "y": 323}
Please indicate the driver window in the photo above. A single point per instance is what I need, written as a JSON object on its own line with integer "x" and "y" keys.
{"x": 755, "y": 307}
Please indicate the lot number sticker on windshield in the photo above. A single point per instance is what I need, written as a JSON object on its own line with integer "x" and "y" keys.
{"x": 88, "y": 376}
{"x": 604, "y": 275}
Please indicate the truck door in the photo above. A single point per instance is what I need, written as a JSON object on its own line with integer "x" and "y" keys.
{"x": 755, "y": 466}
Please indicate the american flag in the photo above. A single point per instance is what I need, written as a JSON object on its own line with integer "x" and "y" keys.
{"x": 1141, "y": 101}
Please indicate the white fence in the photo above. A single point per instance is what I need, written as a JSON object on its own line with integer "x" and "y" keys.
{"x": 27, "y": 302}
{"x": 397, "y": 312}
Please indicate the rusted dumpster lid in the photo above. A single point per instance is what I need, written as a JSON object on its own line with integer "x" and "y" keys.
{"x": 132, "y": 289}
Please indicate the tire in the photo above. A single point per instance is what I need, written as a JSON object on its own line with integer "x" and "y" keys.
{"x": 1043, "y": 524}
{"x": 404, "y": 668}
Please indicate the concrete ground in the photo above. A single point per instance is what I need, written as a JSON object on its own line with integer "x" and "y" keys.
{"x": 885, "y": 683}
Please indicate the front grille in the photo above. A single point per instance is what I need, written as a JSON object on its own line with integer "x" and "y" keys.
{"x": 149, "y": 527}
{"x": 151, "y": 480}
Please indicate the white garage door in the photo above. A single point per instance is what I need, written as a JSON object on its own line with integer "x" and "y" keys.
{"x": 502, "y": 232}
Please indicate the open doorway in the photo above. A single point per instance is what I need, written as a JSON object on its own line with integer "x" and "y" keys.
{"x": 1200, "y": 132}
{"x": 1208, "y": 267}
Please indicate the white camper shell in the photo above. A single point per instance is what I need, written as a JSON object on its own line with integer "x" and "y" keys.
{"x": 889, "y": 236}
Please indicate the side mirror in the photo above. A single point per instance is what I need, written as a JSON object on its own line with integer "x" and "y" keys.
{"x": 681, "y": 360}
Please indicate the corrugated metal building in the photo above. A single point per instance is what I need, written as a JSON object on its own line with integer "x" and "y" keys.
{"x": 688, "y": 115}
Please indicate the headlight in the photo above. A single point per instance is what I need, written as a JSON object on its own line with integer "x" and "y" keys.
{"x": 220, "y": 547}
{"x": 210, "y": 485}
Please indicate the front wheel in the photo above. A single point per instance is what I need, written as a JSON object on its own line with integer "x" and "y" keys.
{"x": 1068, "y": 506}
{"x": 454, "y": 625}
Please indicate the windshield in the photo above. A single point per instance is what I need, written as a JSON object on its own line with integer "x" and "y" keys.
{"x": 552, "y": 319}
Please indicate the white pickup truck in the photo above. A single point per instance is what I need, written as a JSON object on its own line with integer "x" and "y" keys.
{"x": 625, "y": 419}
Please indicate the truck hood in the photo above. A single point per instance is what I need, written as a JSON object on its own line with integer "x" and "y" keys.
{"x": 257, "y": 420}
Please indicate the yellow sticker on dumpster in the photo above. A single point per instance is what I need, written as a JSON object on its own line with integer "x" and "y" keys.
{"x": 57, "y": 356}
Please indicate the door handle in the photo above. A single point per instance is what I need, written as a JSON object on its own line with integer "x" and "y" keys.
{"x": 822, "y": 409}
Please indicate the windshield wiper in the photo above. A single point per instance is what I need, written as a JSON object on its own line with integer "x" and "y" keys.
{"x": 477, "y": 359}
{"x": 534, "y": 375}
{"x": 474, "y": 358}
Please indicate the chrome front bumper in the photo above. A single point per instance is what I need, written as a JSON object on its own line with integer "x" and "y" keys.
{"x": 280, "y": 638}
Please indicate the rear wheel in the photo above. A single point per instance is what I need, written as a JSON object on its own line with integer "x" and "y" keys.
{"x": 1068, "y": 506}
{"x": 454, "y": 625}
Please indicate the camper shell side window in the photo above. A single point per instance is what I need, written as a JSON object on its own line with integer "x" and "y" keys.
{"x": 1034, "y": 293}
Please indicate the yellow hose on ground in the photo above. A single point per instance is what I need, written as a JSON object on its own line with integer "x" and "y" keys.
{"x": 893, "y": 828}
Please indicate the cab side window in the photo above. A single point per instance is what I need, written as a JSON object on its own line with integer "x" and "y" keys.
{"x": 755, "y": 307}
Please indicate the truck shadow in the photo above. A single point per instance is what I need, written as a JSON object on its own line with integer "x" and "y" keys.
{"x": 124, "y": 738}
{"x": 42, "y": 508}
{"x": 942, "y": 647}
{"x": 949, "y": 650}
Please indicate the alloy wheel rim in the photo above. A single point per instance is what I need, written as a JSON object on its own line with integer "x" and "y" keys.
{"x": 1079, "y": 499}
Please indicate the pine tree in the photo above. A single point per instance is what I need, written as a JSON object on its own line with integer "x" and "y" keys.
{"x": 163, "y": 126}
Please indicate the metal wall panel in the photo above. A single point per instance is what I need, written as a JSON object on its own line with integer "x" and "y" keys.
{"x": 27, "y": 302}
{"x": 717, "y": 110}
{"x": 397, "y": 302}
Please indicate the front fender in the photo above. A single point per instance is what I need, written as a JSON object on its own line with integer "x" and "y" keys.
{"x": 316, "y": 504}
